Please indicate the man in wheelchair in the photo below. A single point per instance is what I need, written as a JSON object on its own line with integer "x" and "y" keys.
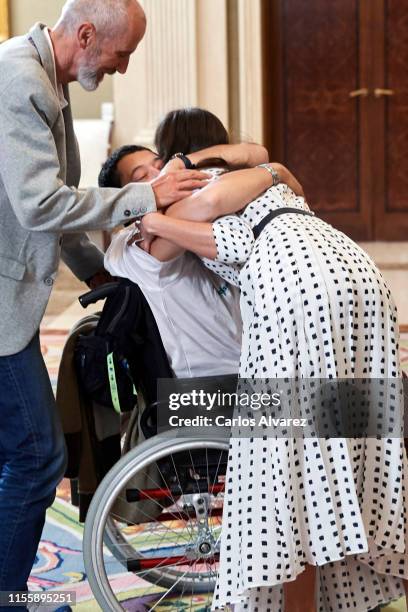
{"x": 196, "y": 312}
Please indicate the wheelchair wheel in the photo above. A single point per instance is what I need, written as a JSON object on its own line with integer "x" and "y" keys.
{"x": 169, "y": 543}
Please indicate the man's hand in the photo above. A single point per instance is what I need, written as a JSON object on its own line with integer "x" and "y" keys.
{"x": 173, "y": 165}
{"x": 172, "y": 187}
{"x": 100, "y": 278}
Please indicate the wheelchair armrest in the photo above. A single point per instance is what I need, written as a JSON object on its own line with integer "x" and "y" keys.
{"x": 92, "y": 297}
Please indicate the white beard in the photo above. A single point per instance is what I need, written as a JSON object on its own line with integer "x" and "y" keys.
{"x": 88, "y": 73}
{"x": 88, "y": 78}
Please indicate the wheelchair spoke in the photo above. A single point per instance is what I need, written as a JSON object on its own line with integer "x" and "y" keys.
{"x": 216, "y": 477}
{"x": 147, "y": 496}
{"x": 165, "y": 482}
{"x": 181, "y": 488}
{"x": 194, "y": 469}
{"x": 192, "y": 590}
{"x": 158, "y": 525}
{"x": 162, "y": 523}
{"x": 154, "y": 562}
{"x": 143, "y": 573}
{"x": 152, "y": 520}
{"x": 166, "y": 594}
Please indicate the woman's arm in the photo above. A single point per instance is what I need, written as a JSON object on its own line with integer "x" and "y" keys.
{"x": 242, "y": 155}
{"x": 232, "y": 191}
{"x": 228, "y": 194}
{"x": 228, "y": 240}
{"x": 223, "y": 197}
{"x": 180, "y": 234}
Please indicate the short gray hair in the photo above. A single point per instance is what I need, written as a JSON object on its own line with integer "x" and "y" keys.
{"x": 108, "y": 16}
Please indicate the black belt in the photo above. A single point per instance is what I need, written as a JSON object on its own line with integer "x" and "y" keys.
{"x": 275, "y": 213}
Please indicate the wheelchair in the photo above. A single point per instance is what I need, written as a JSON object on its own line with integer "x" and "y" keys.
{"x": 153, "y": 528}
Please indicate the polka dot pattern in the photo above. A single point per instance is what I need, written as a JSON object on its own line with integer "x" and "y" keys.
{"x": 314, "y": 306}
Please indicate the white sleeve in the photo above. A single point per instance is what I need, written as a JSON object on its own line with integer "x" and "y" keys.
{"x": 234, "y": 239}
{"x": 138, "y": 266}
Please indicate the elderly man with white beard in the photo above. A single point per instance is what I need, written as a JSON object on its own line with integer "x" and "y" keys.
{"x": 44, "y": 216}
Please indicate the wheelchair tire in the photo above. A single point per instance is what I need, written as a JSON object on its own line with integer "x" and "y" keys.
{"x": 99, "y": 527}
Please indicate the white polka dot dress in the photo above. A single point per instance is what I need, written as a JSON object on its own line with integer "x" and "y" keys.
{"x": 313, "y": 306}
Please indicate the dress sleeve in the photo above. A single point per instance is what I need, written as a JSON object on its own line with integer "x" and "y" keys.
{"x": 234, "y": 240}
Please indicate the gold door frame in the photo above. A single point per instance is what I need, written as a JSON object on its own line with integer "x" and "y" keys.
{"x": 4, "y": 20}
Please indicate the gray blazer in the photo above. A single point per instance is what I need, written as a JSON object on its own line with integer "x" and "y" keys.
{"x": 43, "y": 214}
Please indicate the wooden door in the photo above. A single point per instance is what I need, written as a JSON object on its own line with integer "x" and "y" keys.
{"x": 325, "y": 116}
{"x": 390, "y": 119}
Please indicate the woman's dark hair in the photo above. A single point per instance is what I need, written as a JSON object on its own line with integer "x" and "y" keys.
{"x": 188, "y": 130}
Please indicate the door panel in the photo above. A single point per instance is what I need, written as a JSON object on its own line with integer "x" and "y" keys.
{"x": 396, "y": 106}
{"x": 391, "y": 210}
{"x": 350, "y": 153}
{"x": 317, "y": 51}
{"x": 396, "y": 79}
{"x": 321, "y": 121}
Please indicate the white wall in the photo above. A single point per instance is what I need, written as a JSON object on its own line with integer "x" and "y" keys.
{"x": 194, "y": 54}
{"x": 182, "y": 61}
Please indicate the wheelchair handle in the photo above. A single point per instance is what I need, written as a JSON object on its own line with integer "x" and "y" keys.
{"x": 92, "y": 297}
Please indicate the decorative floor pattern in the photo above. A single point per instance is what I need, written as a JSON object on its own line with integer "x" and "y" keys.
{"x": 59, "y": 563}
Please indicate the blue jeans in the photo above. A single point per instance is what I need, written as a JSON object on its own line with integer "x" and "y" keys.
{"x": 32, "y": 461}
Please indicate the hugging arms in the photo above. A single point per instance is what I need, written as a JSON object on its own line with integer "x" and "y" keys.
{"x": 187, "y": 225}
{"x": 200, "y": 135}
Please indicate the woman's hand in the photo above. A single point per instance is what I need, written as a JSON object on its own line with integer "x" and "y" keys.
{"x": 146, "y": 234}
{"x": 143, "y": 235}
{"x": 287, "y": 177}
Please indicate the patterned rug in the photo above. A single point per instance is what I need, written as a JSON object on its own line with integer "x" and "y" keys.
{"x": 59, "y": 564}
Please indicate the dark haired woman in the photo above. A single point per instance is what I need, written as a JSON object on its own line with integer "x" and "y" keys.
{"x": 175, "y": 129}
{"x": 314, "y": 306}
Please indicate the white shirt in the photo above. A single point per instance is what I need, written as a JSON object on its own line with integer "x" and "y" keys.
{"x": 197, "y": 313}
{"x": 57, "y": 86}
